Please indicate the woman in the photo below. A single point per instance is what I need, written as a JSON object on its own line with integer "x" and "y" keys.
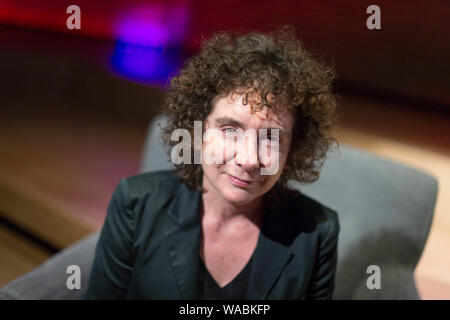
{"x": 228, "y": 229}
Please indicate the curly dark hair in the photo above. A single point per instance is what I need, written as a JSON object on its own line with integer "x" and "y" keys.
{"x": 274, "y": 63}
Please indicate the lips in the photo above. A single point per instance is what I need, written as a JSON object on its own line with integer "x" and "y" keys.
{"x": 238, "y": 181}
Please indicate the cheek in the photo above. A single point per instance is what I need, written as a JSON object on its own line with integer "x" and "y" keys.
{"x": 269, "y": 153}
{"x": 273, "y": 158}
{"x": 214, "y": 149}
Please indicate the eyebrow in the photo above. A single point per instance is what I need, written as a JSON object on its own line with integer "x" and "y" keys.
{"x": 230, "y": 121}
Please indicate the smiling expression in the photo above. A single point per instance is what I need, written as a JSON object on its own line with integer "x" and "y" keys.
{"x": 237, "y": 177}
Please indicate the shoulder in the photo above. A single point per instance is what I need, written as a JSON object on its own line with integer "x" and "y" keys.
{"x": 313, "y": 217}
{"x": 140, "y": 193}
{"x": 325, "y": 217}
{"x": 139, "y": 199}
{"x": 158, "y": 182}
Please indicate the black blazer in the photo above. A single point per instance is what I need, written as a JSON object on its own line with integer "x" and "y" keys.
{"x": 149, "y": 245}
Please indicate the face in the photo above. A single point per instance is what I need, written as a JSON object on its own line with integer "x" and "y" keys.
{"x": 246, "y": 155}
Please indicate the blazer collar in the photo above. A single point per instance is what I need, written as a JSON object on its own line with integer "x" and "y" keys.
{"x": 271, "y": 255}
{"x": 185, "y": 207}
{"x": 183, "y": 242}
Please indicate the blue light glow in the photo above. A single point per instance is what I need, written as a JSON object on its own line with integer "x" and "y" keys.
{"x": 149, "y": 42}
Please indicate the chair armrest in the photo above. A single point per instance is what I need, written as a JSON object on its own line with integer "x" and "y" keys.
{"x": 49, "y": 280}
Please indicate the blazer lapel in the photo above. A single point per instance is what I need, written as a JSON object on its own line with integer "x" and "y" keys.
{"x": 270, "y": 257}
{"x": 183, "y": 240}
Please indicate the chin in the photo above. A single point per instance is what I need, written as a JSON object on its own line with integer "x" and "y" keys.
{"x": 238, "y": 196}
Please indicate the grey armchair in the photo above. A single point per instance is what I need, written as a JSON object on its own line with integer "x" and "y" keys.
{"x": 385, "y": 211}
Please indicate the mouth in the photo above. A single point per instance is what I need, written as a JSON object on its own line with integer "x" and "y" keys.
{"x": 239, "y": 182}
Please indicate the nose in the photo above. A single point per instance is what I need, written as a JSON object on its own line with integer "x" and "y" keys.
{"x": 247, "y": 155}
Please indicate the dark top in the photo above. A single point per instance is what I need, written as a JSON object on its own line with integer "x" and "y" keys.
{"x": 149, "y": 246}
{"x": 234, "y": 290}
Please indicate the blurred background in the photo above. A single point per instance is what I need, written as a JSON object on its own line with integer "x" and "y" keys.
{"x": 75, "y": 104}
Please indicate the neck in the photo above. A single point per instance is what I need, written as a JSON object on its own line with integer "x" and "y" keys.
{"x": 220, "y": 211}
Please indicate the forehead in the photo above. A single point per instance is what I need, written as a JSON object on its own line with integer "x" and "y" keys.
{"x": 232, "y": 106}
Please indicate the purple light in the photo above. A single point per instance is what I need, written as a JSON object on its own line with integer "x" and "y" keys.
{"x": 149, "y": 42}
{"x": 144, "y": 33}
{"x": 147, "y": 67}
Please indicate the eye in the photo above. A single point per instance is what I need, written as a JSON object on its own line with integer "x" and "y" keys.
{"x": 273, "y": 138}
{"x": 229, "y": 130}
